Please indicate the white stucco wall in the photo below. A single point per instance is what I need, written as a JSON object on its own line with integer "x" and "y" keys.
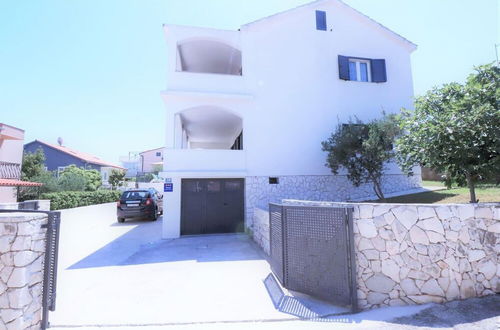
{"x": 292, "y": 70}
{"x": 290, "y": 97}
{"x": 148, "y": 158}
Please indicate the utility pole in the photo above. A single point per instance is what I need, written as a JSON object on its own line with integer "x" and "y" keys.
{"x": 496, "y": 53}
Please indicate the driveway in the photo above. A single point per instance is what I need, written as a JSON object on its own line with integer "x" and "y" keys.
{"x": 114, "y": 273}
{"x": 118, "y": 275}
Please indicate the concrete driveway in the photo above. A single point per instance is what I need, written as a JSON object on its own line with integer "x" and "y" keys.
{"x": 114, "y": 273}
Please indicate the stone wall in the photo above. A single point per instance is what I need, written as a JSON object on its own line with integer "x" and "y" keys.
{"x": 318, "y": 188}
{"x": 42, "y": 205}
{"x": 261, "y": 229}
{"x": 415, "y": 254}
{"x": 22, "y": 251}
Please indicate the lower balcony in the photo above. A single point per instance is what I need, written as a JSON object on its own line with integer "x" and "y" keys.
{"x": 205, "y": 160}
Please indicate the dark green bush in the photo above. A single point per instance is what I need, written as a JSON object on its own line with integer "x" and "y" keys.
{"x": 70, "y": 199}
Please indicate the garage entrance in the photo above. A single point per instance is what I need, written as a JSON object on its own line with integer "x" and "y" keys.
{"x": 212, "y": 206}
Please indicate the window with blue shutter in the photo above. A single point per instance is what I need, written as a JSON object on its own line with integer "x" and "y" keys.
{"x": 344, "y": 67}
{"x": 320, "y": 20}
{"x": 379, "y": 73}
{"x": 362, "y": 69}
{"x": 353, "y": 72}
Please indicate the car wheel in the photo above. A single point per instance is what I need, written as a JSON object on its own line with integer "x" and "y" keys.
{"x": 120, "y": 220}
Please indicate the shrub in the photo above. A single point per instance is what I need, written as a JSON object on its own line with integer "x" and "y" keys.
{"x": 70, "y": 199}
{"x": 80, "y": 179}
{"x": 116, "y": 178}
{"x": 363, "y": 150}
{"x": 72, "y": 182}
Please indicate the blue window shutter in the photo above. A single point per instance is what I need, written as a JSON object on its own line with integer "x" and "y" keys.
{"x": 379, "y": 73}
{"x": 344, "y": 67}
{"x": 320, "y": 20}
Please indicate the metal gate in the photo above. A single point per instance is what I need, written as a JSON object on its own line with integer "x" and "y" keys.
{"x": 212, "y": 206}
{"x": 312, "y": 251}
{"x": 50, "y": 261}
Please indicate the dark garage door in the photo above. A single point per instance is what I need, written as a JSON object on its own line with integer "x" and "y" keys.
{"x": 212, "y": 206}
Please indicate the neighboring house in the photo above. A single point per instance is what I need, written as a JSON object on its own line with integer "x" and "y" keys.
{"x": 247, "y": 111}
{"x": 132, "y": 164}
{"x": 11, "y": 158}
{"x": 151, "y": 160}
{"x": 58, "y": 157}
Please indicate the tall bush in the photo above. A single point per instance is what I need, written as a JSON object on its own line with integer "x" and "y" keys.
{"x": 76, "y": 179}
{"x": 71, "y": 199}
{"x": 362, "y": 149}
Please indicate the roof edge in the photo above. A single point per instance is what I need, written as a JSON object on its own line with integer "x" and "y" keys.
{"x": 410, "y": 44}
{"x": 103, "y": 163}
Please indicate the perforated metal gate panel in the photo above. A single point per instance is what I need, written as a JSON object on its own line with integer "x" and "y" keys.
{"x": 316, "y": 251}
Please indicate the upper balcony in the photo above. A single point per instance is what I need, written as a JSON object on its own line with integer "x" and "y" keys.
{"x": 204, "y": 60}
{"x": 10, "y": 170}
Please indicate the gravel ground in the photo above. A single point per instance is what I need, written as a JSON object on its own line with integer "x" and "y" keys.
{"x": 476, "y": 313}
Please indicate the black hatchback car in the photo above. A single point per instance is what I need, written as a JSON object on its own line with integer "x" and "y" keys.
{"x": 140, "y": 203}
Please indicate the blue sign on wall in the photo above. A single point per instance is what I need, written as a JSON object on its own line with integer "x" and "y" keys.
{"x": 168, "y": 187}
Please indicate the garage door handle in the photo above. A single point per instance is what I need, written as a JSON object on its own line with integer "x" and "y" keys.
{"x": 225, "y": 204}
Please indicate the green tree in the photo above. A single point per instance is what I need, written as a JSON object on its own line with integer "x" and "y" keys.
{"x": 49, "y": 180}
{"x": 74, "y": 178}
{"x": 116, "y": 178}
{"x": 363, "y": 150}
{"x": 33, "y": 165}
{"x": 455, "y": 129}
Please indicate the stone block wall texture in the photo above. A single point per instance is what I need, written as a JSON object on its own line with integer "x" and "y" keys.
{"x": 259, "y": 193}
{"x": 43, "y": 205}
{"x": 416, "y": 254}
{"x": 261, "y": 229}
{"x": 22, "y": 252}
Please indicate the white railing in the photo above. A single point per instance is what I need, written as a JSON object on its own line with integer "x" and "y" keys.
{"x": 202, "y": 160}
{"x": 10, "y": 170}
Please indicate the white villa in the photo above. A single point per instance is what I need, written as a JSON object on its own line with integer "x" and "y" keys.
{"x": 247, "y": 111}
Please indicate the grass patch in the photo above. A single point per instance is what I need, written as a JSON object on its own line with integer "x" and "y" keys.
{"x": 426, "y": 183}
{"x": 485, "y": 194}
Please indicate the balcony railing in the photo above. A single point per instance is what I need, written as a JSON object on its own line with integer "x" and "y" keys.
{"x": 10, "y": 171}
{"x": 203, "y": 160}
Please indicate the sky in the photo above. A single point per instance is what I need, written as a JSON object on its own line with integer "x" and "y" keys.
{"x": 91, "y": 71}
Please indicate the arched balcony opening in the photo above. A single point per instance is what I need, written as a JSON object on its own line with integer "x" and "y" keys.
{"x": 208, "y": 56}
{"x": 208, "y": 127}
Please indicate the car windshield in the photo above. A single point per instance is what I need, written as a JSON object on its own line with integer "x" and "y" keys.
{"x": 135, "y": 194}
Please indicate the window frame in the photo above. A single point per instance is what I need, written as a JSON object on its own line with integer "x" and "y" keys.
{"x": 357, "y": 62}
{"x": 321, "y": 20}
{"x": 61, "y": 169}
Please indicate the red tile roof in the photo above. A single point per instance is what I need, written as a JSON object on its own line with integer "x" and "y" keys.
{"x": 15, "y": 183}
{"x": 82, "y": 155}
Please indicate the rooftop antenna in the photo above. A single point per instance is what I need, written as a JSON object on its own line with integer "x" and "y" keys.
{"x": 60, "y": 141}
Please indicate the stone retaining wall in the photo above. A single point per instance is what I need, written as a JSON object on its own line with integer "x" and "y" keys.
{"x": 258, "y": 191}
{"x": 261, "y": 229}
{"x": 416, "y": 254}
{"x": 43, "y": 205}
{"x": 22, "y": 252}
